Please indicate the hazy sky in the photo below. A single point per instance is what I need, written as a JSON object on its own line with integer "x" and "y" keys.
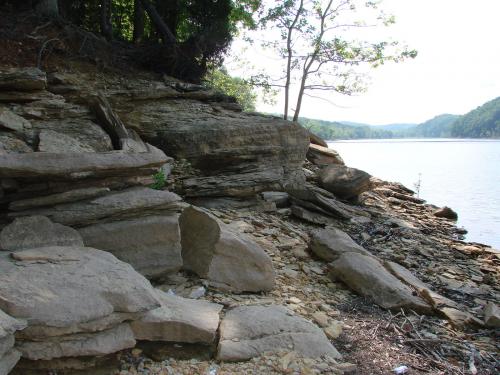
{"x": 457, "y": 68}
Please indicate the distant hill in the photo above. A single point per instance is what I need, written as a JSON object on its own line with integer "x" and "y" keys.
{"x": 482, "y": 122}
{"x": 437, "y": 127}
{"x": 391, "y": 127}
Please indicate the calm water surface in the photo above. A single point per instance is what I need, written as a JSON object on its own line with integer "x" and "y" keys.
{"x": 463, "y": 174}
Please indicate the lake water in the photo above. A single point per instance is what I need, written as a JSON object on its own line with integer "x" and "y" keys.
{"x": 463, "y": 174}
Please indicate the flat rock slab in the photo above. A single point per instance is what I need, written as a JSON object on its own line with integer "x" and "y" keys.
{"x": 133, "y": 202}
{"x": 367, "y": 276}
{"x": 320, "y": 155}
{"x": 95, "y": 344}
{"x": 75, "y": 289}
{"x": 152, "y": 244}
{"x": 75, "y": 166}
{"x": 250, "y": 331}
{"x": 227, "y": 259}
{"x": 344, "y": 182}
{"x": 180, "y": 320}
{"x": 69, "y": 196}
{"x": 22, "y": 79}
{"x": 329, "y": 243}
{"x": 37, "y": 231}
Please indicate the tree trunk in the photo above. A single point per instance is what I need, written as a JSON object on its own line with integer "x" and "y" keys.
{"x": 138, "y": 22}
{"x": 47, "y": 8}
{"x": 106, "y": 25}
{"x": 168, "y": 36}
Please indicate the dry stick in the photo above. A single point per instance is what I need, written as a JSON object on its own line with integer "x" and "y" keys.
{"x": 44, "y": 45}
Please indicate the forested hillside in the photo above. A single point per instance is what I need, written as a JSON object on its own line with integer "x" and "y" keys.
{"x": 437, "y": 127}
{"x": 482, "y": 122}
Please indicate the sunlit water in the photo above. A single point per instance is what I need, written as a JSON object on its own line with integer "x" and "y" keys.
{"x": 463, "y": 174}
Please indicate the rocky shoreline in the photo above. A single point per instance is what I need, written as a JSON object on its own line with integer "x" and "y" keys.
{"x": 247, "y": 259}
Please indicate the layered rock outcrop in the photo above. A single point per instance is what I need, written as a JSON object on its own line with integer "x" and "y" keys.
{"x": 237, "y": 154}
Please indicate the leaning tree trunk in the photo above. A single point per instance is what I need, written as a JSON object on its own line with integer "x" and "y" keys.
{"x": 47, "y": 8}
{"x": 167, "y": 35}
{"x": 138, "y": 22}
{"x": 106, "y": 26}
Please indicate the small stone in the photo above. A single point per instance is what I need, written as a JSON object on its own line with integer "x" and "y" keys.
{"x": 136, "y": 352}
{"x": 197, "y": 293}
{"x": 492, "y": 315}
{"x": 347, "y": 368}
{"x": 320, "y": 318}
{"x": 294, "y": 300}
{"x": 334, "y": 330}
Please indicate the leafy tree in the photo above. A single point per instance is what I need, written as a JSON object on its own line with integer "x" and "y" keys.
{"x": 317, "y": 40}
{"x": 240, "y": 89}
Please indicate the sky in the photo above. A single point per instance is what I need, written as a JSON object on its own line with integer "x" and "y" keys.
{"x": 457, "y": 68}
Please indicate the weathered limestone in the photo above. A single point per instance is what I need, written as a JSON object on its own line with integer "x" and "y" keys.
{"x": 368, "y": 277}
{"x": 151, "y": 244}
{"x": 133, "y": 202}
{"x": 249, "y": 331}
{"x": 344, "y": 182}
{"x": 227, "y": 259}
{"x": 179, "y": 320}
{"x": 329, "y": 243}
{"x": 37, "y": 231}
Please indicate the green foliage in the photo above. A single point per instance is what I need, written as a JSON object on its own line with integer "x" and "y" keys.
{"x": 160, "y": 180}
{"x": 236, "y": 87}
{"x": 482, "y": 122}
{"x": 322, "y": 42}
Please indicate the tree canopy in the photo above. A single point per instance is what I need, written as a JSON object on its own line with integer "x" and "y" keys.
{"x": 179, "y": 37}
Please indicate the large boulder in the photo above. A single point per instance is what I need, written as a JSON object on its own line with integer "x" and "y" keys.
{"x": 330, "y": 243}
{"x": 179, "y": 320}
{"x": 227, "y": 259}
{"x": 151, "y": 244}
{"x": 76, "y": 300}
{"x": 250, "y": 331}
{"x": 322, "y": 156}
{"x": 37, "y": 231}
{"x": 367, "y": 276}
{"x": 344, "y": 182}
